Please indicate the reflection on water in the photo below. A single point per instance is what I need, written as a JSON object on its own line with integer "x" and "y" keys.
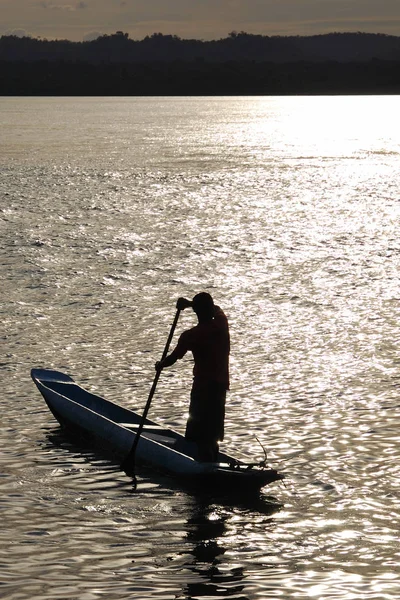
{"x": 110, "y": 210}
{"x": 207, "y": 529}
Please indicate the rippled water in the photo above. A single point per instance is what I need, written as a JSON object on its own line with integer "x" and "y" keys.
{"x": 287, "y": 211}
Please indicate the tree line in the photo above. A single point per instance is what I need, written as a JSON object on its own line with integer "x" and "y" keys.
{"x": 119, "y": 48}
{"x": 241, "y": 64}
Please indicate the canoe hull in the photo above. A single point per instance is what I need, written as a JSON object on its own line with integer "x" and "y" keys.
{"x": 113, "y": 427}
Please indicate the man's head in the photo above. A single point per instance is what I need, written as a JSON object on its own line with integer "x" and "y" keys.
{"x": 203, "y": 306}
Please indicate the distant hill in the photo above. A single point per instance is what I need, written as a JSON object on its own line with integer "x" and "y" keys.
{"x": 118, "y": 48}
{"x": 241, "y": 64}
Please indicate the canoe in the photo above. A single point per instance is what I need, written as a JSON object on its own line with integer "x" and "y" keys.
{"x": 114, "y": 428}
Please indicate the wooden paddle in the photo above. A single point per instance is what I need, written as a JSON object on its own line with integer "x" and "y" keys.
{"x": 128, "y": 464}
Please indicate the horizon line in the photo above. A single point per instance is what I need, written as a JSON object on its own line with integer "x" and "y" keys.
{"x": 231, "y": 34}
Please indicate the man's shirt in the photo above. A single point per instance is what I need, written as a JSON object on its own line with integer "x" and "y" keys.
{"x": 209, "y": 342}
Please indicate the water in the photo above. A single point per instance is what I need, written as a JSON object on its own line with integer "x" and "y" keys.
{"x": 287, "y": 211}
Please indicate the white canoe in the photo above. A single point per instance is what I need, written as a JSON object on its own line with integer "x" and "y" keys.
{"x": 113, "y": 428}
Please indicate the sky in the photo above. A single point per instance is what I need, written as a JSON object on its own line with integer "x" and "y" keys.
{"x": 79, "y": 20}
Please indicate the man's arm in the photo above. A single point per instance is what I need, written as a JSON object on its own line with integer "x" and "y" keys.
{"x": 182, "y": 303}
{"x": 167, "y": 362}
{"x": 181, "y": 347}
{"x": 178, "y": 353}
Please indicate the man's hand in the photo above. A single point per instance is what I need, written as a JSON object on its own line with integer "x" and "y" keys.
{"x": 182, "y": 303}
{"x": 167, "y": 362}
{"x": 159, "y": 366}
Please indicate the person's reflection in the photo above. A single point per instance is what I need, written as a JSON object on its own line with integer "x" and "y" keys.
{"x": 206, "y": 529}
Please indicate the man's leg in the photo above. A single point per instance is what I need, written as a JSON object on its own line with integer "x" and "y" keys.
{"x": 208, "y": 450}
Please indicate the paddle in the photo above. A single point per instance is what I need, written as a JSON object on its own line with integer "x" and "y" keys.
{"x": 128, "y": 465}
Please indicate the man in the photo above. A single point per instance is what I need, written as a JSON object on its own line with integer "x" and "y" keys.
{"x": 209, "y": 343}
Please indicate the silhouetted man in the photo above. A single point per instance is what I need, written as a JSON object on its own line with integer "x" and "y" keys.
{"x": 209, "y": 343}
